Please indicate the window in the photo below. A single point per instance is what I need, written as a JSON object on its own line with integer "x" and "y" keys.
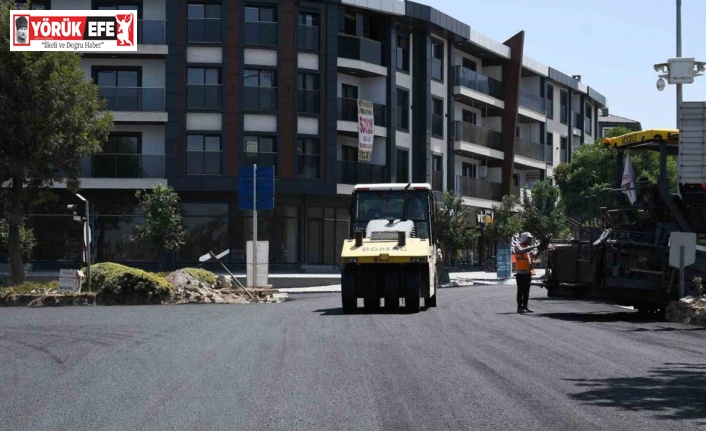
{"x": 203, "y": 88}
{"x": 349, "y": 154}
{"x": 437, "y": 60}
{"x": 120, "y": 87}
{"x": 120, "y": 157}
{"x": 437, "y": 172}
{"x": 550, "y": 140}
{"x": 403, "y": 109}
{"x": 468, "y": 116}
{"x": 564, "y": 106}
{"x": 203, "y": 23}
{"x": 114, "y": 5}
{"x": 402, "y": 166}
{"x": 437, "y": 117}
{"x": 260, "y": 26}
{"x": 347, "y": 25}
{"x": 403, "y": 52}
{"x": 203, "y": 155}
{"x": 34, "y": 5}
{"x": 261, "y": 150}
{"x": 469, "y": 64}
{"x": 260, "y": 88}
{"x": 309, "y": 26}
{"x": 550, "y": 101}
{"x": 309, "y": 97}
{"x": 469, "y": 170}
{"x": 606, "y": 130}
{"x": 589, "y": 119}
{"x": 349, "y": 91}
{"x": 308, "y": 158}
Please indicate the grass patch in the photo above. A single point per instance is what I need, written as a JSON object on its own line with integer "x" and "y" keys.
{"x": 28, "y": 286}
{"x": 204, "y": 276}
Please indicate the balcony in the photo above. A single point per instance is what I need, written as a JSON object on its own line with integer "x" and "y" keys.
{"x": 475, "y": 188}
{"x": 203, "y": 96}
{"x": 437, "y": 181}
{"x": 259, "y": 99}
{"x": 204, "y": 30}
{"x": 261, "y": 33}
{"x": 359, "y": 48}
{"x": 533, "y": 102}
{"x": 477, "y": 82}
{"x": 308, "y": 37}
{"x": 348, "y": 111}
{"x": 473, "y": 134}
{"x": 532, "y": 150}
{"x": 437, "y": 126}
{"x": 361, "y": 172}
{"x": 139, "y": 99}
{"x": 123, "y": 166}
{"x": 151, "y": 32}
{"x": 308, "y": 102}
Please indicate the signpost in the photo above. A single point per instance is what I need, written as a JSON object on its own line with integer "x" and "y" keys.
{"x": 218, "y": 257}
{"x": 682, "y": 253}
{"x": 256, "y": 191}
{"x": 503, "y": 260}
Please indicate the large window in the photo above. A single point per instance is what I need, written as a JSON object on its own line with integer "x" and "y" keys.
{"x": 437, "y": 60}
{"x": 203, "y": 155}
{"x": 206, "y": 229}
{"x": 204, "y": 23}
{"x": 120, "y": 87}
{"x": 308, "y": 159}
{"x": 402, "y": 165}
{"x": 203, "y": 88}
{"x": 403, "y": 52}
{"x": 437, "y": 172}
{"x": 260, "y": 90}
{"x": 589, "y": 119}
{"x": 261, "y": 150}
{"x": 120, "y": 157}
{"x": 260, "y": 25}
{"x": 550, "y": 101}
{"x": 309, "y": 97}
{"x": 309, "y": 25}
{"x": 403, "y": 109}
{"x": 564, "y": 107}
{"x": 437, "y": 117}
{"x": 34, "y": 5}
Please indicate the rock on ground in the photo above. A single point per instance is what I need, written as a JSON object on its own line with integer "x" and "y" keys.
{"x": 688, "y": 310}
{"x": 190, "y": 290}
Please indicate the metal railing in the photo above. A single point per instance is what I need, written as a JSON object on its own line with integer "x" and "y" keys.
{"x": 532, "y": 101}
{"x": 473, "y": 134}
{"x": 133, "y": 98}
{"x": 360, "y": 48}
{"x": 309, "y": 101}
{"x": 476, "y": 188}
{"x": 308, "y": 37}
{"x": 361, "y": 172}
{"x": 533, "y": 150}
{"x": 348, "y": 111}
{"x": 123, "y": 166}
{"x": 437, "y": 125}
{"x": 261, "y": 33}
{"x": 437, "y": 181}
{"x": 204, "y": 96}
{"x": 308, "y": 166}
{"x": 475, "y": 81}
{"x": 204, "y": 30}
{"x": 260, "y": 98}
{"x": 151, "y": 32}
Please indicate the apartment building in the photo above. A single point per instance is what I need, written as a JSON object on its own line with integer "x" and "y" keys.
{"x": 221, "y": 84}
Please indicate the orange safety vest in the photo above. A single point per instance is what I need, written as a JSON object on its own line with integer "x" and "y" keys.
{"x": 522, "y": 262}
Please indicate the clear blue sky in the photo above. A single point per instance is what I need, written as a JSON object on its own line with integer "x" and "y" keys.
{"x": 612, "y": 44}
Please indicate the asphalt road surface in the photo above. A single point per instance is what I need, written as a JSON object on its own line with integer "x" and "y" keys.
{"x": 470, "y": 364}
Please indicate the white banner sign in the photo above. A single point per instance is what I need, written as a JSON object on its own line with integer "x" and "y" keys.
{"x": 366, "y": 128}
{"x": 73, "y": 30}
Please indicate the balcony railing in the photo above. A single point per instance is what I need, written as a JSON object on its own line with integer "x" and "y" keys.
{"x": 123, "y": 166}
{"x": 203, "y": 96}
{"x": 151, "y": 32}
{"x": 437, "y": 125}
{"x": 308, "y": 101}
{"x": 133, "y": 98}
{"x": 308, "y": 165}
{"x": 475, "y": 188}
{"x": 473, "y": 134}
{"x": 533, "y": 150}
{"x": 260, "y": 33}
{"x": 532, "y": 101}
{"x": 437, "y": 181}
{"x": 260, "y": 98}
{"x": 359, "y": 48}
{"x": 262, "y": 159}
{"x": 204, "y": 30}
{"x": 361, "y": 172}
{"x": 475, "y": 81}
{"x": 348, "y": 111}
{"x": 308, "y": 37}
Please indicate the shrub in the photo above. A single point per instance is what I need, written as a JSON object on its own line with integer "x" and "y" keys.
{"x": 119, "y": 284}
{"x": 204, "y": 276}
{"x": 28, "y": 286}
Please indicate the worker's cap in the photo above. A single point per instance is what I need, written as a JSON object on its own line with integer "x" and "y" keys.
{"x": 525, "y": 236}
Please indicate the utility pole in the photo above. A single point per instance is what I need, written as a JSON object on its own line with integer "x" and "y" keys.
{"x": 679, "y": 86}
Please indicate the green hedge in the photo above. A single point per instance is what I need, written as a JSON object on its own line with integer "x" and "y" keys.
{"x": 119, "y": 284}
{"x": 202, "y": 275}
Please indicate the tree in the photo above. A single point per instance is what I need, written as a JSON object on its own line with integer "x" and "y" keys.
{"x": 543, "y": 213}
{"x": 592, "y": 169}
{"x": 27, "y": 240}
{"x": 163, "y": 228}
{"x": 507, "y": 220}
{"x": 454, "y": 226}
{"x": 51, "y": 116}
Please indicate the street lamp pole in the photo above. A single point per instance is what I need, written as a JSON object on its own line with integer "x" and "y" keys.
{"x": 679, "y": 86}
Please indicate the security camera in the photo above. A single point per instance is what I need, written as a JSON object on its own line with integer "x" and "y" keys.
{"x": 661, "y": 67}
{"x": 700, "y": 66}
{"x": 660, "y": 84}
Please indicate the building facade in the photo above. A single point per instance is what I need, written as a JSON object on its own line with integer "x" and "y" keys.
{"x": 607, "y": 122}
{"x": 222, "y": 84}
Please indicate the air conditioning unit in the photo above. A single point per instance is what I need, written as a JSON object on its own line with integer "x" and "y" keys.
{"x": 482, "y": 171}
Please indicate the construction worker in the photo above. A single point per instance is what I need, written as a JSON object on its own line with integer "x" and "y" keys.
{"x": 524, "y": 250}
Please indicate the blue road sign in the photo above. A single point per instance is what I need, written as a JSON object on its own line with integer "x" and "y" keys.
{"x": 265, "y": 184}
